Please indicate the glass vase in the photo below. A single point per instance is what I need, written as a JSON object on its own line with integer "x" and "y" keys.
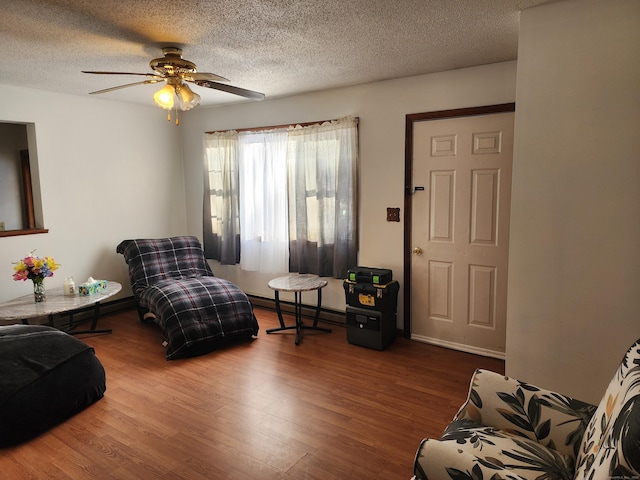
{"x": 39, "y": 293}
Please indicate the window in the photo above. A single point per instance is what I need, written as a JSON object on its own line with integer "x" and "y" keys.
{"x": 17, "y": 205}
{"x": 283, "y": 199}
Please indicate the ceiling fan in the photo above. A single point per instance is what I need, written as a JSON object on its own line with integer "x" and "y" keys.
{"x": 176, "y": 71}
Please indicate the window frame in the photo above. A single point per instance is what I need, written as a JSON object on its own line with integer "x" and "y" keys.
{"x": 27, "y": 198}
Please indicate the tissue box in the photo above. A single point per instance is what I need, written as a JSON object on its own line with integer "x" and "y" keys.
{"x": 97, "y": 286}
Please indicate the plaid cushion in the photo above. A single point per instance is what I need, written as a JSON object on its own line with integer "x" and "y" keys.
{"x": 196, "y": 310}
{"x": 153, "y": 260}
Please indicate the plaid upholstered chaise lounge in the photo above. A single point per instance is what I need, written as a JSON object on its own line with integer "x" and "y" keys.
{"x": 174, "y": 285}
{"x": 509, "y": 429}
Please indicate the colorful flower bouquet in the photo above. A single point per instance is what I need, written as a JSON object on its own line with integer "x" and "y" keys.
{"x": 36, "y": 269}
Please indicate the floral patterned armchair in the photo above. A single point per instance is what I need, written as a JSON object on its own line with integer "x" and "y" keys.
{"x": 508, "y": 429}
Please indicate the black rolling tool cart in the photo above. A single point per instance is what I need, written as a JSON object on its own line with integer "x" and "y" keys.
{"x": 372, "y": 299}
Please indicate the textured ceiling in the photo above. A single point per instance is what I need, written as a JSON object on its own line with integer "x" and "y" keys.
{"x": 277, "y": 47}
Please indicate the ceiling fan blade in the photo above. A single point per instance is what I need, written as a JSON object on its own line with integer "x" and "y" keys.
{"x": 127, "y": 85}
{"x": 205, "y": 76}
{"x": 149, "y": 75}
{"x": 230, "y": 89}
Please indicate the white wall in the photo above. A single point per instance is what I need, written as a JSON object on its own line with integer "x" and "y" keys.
{"x": 107, "y": 171}
{"x": 574, "y": 275}
{"x": 381, "y": 107}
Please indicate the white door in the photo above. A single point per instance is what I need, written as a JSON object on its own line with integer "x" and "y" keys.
{"x": 460, "y": 231}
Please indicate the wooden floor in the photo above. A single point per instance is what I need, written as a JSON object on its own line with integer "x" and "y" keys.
{"x": 264, "y": 409}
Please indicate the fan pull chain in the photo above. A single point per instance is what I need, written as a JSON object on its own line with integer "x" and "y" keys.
{"x": 177, "y": 117}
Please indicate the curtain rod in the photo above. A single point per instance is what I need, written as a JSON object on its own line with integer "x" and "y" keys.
{"x": 273, "y": 127}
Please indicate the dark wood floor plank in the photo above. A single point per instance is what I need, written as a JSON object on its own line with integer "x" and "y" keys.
{"x": 261, "y": 409}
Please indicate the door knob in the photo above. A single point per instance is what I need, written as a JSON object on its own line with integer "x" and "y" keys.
{"x": 417, "y": 251}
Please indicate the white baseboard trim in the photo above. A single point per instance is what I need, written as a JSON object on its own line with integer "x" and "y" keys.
{"x": 460, "y": 347}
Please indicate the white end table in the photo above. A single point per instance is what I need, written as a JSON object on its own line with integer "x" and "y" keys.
{"x": 298, "y": 284}
{"x": 23, "y": 308}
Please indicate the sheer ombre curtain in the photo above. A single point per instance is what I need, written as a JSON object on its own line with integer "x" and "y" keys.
{"x": 263, "y": 205}
{"x": 322, "y": 163}
{"x": 286, "y": 199}
{"x": 221, "y": 232}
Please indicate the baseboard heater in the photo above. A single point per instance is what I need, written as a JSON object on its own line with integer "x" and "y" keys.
{"x": 327, "y": 315}
{"x": 87, "y": 314}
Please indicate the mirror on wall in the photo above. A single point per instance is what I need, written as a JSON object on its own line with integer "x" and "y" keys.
{"x": 17, "y": 212}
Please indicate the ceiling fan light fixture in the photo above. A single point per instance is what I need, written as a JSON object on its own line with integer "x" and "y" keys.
{"x": 175, "y": 71}
{"x": 164, "y": 97}
{"x": 187, "y": 98}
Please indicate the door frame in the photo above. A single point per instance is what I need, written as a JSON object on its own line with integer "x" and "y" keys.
{"x": 410, "y": 119}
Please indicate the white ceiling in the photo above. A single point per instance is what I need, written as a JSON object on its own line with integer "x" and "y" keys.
{"x": 277, "y": 47}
